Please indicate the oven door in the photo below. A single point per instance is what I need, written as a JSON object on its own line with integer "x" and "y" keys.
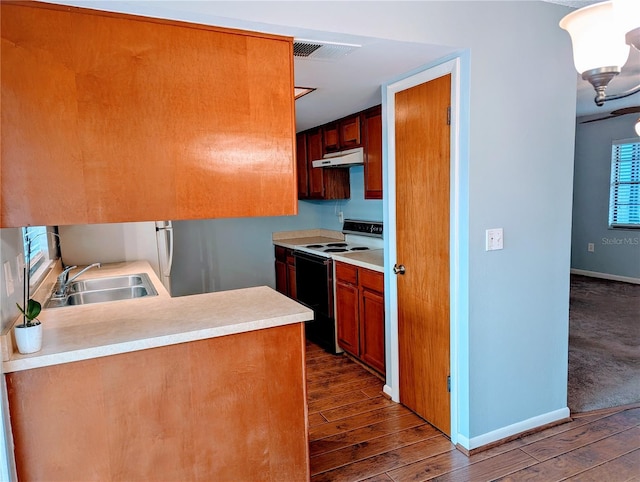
{"x": 314, "y": 289}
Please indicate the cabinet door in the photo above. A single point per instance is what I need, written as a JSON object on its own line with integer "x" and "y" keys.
{"x": 331, "y": 137}
{"x": 281, "y": 270}
{"x": 314, "y": 152}
{"x": 372, "y": 318}
{"x": 301, "y": 165}
{"x": 148, "y": 124}
{"x": 373, "y": 154}
{"x": 347, "y": 317}
{"x": 350, "y": 132}
{"x": 291, "y": 275}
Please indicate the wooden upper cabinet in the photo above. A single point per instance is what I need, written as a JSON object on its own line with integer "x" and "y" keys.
{"x": 115, "y": 118}
{"x": 301, "y": 165}
{"x": 373, "y": 153}
{"x": 318, "y": 182}
{"x": 342, "y": 134}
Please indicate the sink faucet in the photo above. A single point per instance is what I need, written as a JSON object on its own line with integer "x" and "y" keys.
{"x": 64, "y": 281}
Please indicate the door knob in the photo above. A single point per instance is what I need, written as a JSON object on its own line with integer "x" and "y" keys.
{"x": 398, "y": 269}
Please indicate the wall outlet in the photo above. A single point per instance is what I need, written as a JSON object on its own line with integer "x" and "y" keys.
{"x": 493, "y": 239}
{"x": 340, "y": 217}
{"x": 591, "y": 247}
{"x": 8, "y": 278}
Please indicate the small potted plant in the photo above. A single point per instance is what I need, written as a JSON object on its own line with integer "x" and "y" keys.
{"x": 29, "y": 332}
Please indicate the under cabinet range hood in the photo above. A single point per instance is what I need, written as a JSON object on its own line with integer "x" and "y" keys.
{"x": 351, "y": 157}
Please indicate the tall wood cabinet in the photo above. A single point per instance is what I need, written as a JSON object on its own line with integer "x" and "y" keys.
{"x": 360, "y": 313}
{"x": 373, "y": 153}
{"x": 114, "y": 118}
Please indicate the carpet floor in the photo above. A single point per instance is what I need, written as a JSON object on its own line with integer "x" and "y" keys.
{"x": 604, "y": 344}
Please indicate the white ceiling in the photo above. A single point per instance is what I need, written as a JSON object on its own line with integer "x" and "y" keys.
{"x": 352, "y": 83}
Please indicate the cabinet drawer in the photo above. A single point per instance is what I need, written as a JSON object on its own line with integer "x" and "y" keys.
{"x": 347, "y": 273}
{"x": 372, "y": 280}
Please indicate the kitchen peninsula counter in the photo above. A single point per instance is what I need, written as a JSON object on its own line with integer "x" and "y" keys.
{"x": 372, "y": 259}
{"x": 201, "y": 387}
{"x": 76, "y": 333}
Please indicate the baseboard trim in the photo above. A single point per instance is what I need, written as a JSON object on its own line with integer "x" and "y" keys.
{"x": 512, "y": 431}
{"x": 612, "y": 277}
{"x": 386, "y": 389}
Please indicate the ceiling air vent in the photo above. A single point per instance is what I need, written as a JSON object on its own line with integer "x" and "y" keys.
{"x": 316, "y": 50}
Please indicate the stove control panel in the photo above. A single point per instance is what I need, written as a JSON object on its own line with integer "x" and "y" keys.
{"x": 365, "y": 228}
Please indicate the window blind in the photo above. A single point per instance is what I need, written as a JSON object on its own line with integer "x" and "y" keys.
{"x": 34, "y": 255}
{"x": 624, "y": 201}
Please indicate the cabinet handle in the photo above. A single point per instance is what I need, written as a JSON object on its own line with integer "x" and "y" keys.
{"x": 398, "y": 269}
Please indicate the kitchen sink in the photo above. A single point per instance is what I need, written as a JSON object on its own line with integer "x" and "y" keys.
{"x": 100, "y": 290}
{"x": 108, "y": 283}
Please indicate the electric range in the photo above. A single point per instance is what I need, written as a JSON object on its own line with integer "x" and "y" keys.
{"x": 314, "y": 276}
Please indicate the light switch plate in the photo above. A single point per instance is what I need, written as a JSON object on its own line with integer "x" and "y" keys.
{"x": 494, "y": 239}
{"x": 8, "y": 278}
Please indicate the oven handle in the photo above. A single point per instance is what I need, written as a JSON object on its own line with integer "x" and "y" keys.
{"x": 312, "y": 257}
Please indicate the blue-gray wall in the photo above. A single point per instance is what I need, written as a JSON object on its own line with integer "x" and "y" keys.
{"x": 616, "y": 251}
{"x": 10, "y": 246}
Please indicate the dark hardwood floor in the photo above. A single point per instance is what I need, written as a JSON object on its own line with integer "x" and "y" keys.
{"x": 357, "y": 434}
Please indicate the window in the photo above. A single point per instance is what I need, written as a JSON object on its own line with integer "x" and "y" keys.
{"x": 36, "y": 251}
{"x": 624, "y": 200}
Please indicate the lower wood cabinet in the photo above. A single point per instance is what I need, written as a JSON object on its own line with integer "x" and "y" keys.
{"x": 226, "y": 408}
{"x": 285, "y": 272}
{"x": 360, "y": 313}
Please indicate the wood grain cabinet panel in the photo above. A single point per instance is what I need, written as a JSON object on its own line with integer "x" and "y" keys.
{"x": 347, "y": 308}
{"x": 124, "y": 118}
{"x": 317, "y": 182}
{"x": 342, "y": 134}
{"x": 360, "y": 314}
{"x": 285, "y": 266}
{"x": 227, "y": 408}
{"x": 373, "y": 153}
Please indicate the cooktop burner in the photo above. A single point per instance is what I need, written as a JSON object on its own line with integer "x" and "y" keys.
{"x": 337, "y": 245}
{"x": 335, "y": 250}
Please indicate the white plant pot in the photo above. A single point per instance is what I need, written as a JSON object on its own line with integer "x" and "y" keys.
{"x": 28, "y": 338}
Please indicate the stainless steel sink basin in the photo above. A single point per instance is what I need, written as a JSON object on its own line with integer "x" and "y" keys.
{"x": 107, "y": 283}
{"x": 100, "y": 290}
{"x": 111, "y": 294}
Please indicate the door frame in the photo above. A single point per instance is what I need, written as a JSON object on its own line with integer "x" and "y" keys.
{"x": 458, "y": 239}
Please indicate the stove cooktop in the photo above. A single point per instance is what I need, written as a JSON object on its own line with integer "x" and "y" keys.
{"x": 335, "y": 247}
{"x": 358, "y": 236}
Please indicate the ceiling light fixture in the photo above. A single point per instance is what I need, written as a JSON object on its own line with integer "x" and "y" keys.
{"x": 601, "y": 35}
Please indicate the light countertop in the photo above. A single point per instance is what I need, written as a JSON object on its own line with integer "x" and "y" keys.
{"x": 372, "y": 259}
{"x": 101, "y": 329}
